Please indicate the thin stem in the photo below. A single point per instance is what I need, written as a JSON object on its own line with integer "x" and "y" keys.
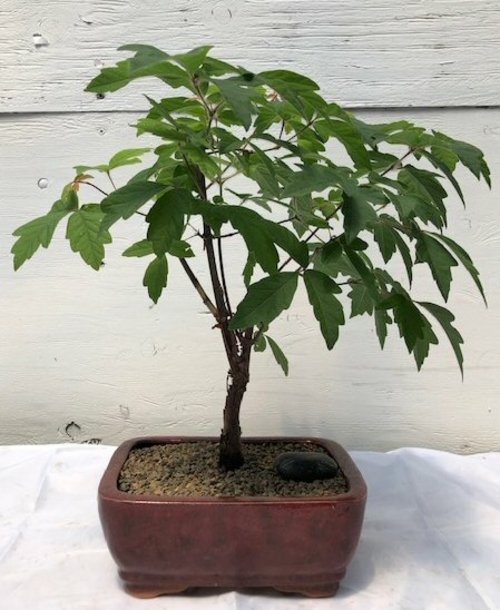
{"x": 410, "y": 152}
{"x": 296, "y": 134}
{"x": 111, "y": 180}
{"x": 223, "y": 277}
{"x": 282, "y": 129}
{"x": 219, "y": 249}
{"x": 311, "y": 235}
{"x": 223, "y": 314}
{"x": 199, "y": 288}
{"x": 94, "y": 186}
{"x": 233, "y": 233}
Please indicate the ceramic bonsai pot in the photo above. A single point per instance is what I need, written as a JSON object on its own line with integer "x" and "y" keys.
{"x": 167, "y": 545}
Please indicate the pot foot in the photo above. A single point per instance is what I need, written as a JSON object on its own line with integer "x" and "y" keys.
{"x": 146, "y": 593}
{"x": 147, "y": 586}
{"x": 325, "y": 590}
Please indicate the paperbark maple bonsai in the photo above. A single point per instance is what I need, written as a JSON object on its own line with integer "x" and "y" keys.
{"x": 245, "y": 154}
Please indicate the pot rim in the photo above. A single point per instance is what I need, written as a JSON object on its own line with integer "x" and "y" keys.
{"x": 108, "y": 488}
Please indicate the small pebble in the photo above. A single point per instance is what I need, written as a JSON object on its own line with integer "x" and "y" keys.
{"x": 306, "y": 467}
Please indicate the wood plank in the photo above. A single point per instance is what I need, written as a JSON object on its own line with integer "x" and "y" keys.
{"x": 368, "y": 53}
{"x": 85, "y": 347}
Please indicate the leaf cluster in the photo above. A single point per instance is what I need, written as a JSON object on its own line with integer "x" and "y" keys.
{"x": 316, "y": 195}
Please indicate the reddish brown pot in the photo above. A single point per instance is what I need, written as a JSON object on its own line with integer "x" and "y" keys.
{"x": 166, "y": 545}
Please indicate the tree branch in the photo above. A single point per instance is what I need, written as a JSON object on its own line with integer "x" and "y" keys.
{"x": 199, "y": 289}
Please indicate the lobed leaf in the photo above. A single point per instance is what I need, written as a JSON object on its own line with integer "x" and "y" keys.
{"x": 358, "y": 212}
{"x": 129, "y": 156}
{"x": 439, "y": 259}
{"x": 328, "y": 310}
{"x": 445, "y": 319}
{"x": 155, "y": 278}
{"x": 39, "y": 232}
{"x": 85, "y": 236}
{"x": 166, "y": 220}
{"x": 128, "y": 199}
{"x": 148, "y": 61}
{"x": 465, "y": 259}
{"x": 265, "y": 300}
{"x": 414, "y": 328}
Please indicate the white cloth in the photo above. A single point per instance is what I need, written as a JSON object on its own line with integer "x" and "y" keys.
{"x": 431, "y": 538}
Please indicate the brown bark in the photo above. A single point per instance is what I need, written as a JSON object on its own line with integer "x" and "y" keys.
{"x": 238, "y": 346}
{"x": 230, "y": 447}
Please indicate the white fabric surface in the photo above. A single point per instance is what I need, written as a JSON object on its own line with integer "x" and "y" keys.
{"x": 431, "y": 538}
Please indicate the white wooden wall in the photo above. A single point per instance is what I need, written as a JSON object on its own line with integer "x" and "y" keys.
{"x": 85, "y": 356}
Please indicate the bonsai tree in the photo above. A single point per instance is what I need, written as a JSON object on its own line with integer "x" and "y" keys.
{"x": 315, "y": 194}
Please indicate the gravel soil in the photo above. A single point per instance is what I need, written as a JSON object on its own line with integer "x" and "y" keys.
{"x": 191, "y": 470}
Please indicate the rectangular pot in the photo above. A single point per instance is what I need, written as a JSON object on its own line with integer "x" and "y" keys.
{"x": 167, "y": 545}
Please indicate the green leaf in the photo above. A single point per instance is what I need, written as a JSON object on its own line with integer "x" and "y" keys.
{"x": 83, "y": 169}
{"x": 278, "y": 354}
{"x": 287, "y": 241}
{"x": 470, "y": 156}
{"x": 39, "y": 232}
{"x": 130, "y": 156}
{"x": 148, "y": 61}
{"x": 199, "y": 158}
{"x": 265, "y": 300}
{"x": 261, "y": 169}
{"x": 193, "y": 59}
{"x": 427, "y": 187}
{"x": 439, "y": 160}
{"x": 382, "y": 320}
{"x": 440, "y": 261}
{"x": 296, "y": 89}
{"x": 361, "y": 300}
{"x": 302, "y": 211}
{"x": 404, "y": 250}
{"x": 159, "y": 128}
{"x": 260, "y": 344}
{"x": 257, "y": 240}
{"x": 357, "y": 212}
{"x": 180, "y": 249}
{"x": 364, "y": 270}
{"x": 249, "y": 269}
{"x": 422, "y": 346}
{"x": 155, "y": 278}
{"x": 127, "y": 200}
{"x": 465, "y": 259}
{"x": 217, "y": 67}
{"x": 445, "y": 318}
{"x": 238, "y": 97}
{"x": 347, "y": 134}
{"x": 166, "y": 220}
{"x": 261, "y": 235}
{"x": 331, "y": 251}
{"x": 414, "y": 328}
{"x": 313, "y": 178}
{"x": 85, "y": 235}
{"x": 384, "y": 235}
{"x": 287, "y": 80}
{"x": 327, "y": 308}
{"x": 140, "y": 248}
{"x": 177, "y": 248}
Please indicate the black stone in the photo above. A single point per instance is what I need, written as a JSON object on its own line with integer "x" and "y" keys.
{"x": 306, "y": 466}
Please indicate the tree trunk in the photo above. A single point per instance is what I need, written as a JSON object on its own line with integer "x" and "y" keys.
{"x": 230, "y": 448}
{"x": 238, "y": 346}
